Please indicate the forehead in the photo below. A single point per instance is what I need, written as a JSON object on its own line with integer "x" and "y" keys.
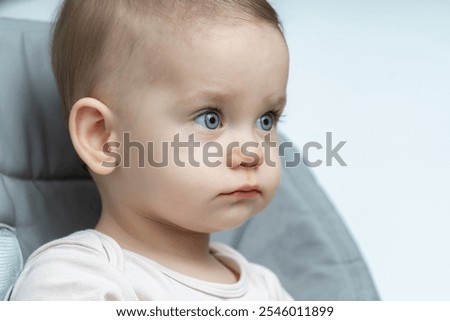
{"x": 243, "y": 64}
{"x": 225, "y": 58}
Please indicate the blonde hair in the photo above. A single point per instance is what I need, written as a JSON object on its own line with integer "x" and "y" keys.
{"x": 92, "y": 37}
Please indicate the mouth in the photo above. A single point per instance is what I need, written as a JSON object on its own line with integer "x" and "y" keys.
{"x": 246, "y": 191}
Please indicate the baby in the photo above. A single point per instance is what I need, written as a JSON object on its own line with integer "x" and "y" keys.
{"x": 172, "y": 105}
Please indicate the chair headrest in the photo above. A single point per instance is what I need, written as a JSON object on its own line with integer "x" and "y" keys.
{"x": 34, "y": 140}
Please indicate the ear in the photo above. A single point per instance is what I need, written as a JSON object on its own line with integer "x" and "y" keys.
{"x": 91, "y": 126}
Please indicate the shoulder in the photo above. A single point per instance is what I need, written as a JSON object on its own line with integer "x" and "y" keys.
{"x": 256, "y": 274}
{"x": 86, "y": 265}
{"x": 78, "y": 247}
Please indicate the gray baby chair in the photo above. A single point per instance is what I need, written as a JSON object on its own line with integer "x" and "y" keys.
{"x": 45, "y": 193}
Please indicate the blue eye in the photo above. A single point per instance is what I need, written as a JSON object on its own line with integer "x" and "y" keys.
{"x": 265, "y": 122}
{"x": 209, "y": 119}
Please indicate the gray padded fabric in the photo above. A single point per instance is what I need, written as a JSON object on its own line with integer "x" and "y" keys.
{"x": 10, "y": 258}
{"x": 45, "y": 193}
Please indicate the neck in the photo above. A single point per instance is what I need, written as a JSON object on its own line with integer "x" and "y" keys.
{"x": 155, "y": 239}
{"x": 181, "y": 250}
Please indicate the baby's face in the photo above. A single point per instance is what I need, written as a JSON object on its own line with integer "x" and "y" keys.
{"x": 221, "y": 91}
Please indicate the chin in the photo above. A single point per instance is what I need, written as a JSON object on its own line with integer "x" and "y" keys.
{"x": 233, "y": 219}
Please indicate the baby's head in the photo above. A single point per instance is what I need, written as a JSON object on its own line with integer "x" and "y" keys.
{"x": 184, "y": 93}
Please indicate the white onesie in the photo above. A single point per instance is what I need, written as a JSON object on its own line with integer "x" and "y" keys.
{"x": 89, "y": 265}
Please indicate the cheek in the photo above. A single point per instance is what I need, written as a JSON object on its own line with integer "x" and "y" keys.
{"x": 187, "y": 197}
{"x": 271, "y": 173}
{"x": 272, "y": 177}
{"x": 169, "y": 193}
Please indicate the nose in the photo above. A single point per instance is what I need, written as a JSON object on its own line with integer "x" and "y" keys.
{"x": 248, "y": 155}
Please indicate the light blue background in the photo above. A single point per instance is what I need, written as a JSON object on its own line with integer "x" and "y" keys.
{"x": 377, "y": 75}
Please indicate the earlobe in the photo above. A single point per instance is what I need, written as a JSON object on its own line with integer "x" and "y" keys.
{"x": 91, "y": 126}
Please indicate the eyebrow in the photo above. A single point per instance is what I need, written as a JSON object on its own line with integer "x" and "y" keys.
{"x": 210, "y": 95}
{"x": 280, "y": 102}
{"x": 220, "y": 97}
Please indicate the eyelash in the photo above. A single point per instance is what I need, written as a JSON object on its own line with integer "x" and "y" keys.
{"x": 216, "y": 109}
{"x": 276, "y": 113}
